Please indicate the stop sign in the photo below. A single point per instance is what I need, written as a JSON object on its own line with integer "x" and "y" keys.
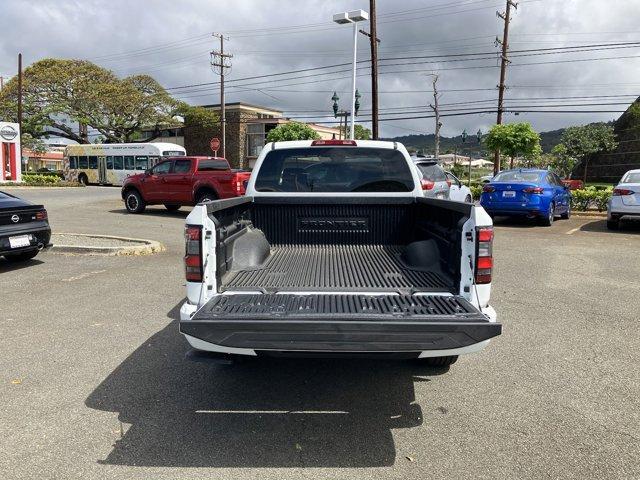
{"x": 214, "y": 144}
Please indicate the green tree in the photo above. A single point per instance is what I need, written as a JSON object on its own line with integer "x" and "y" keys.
{"x": 582, "y": 142}
{"x": 560, "y": 160}
{"x": 514, "y": 139}
{"x": 292, "y": 131}
{"x": 359, "y": 132}
{"x": 58, "y": 94}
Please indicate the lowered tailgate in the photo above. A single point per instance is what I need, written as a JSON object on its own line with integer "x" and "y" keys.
{"x": 340, "y": 323}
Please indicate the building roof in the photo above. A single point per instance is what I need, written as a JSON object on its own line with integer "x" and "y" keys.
{"x": 46, "y": 155}
{"x": 245, "y": 106}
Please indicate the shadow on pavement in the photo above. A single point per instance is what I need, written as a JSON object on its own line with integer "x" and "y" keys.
{"x": 259, "y": 413}
{"x": 626, "y": 227}
{"x": 7, "y": 266}
{"x": 156, "y": 212}
{"x": 515, "y": 222}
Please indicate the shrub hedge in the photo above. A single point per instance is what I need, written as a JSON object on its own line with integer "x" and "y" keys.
{"x": 37, "y": 180}
{"x": 590, "y": 197}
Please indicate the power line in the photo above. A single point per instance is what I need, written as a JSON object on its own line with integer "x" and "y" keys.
{"x": 488, "y": 55}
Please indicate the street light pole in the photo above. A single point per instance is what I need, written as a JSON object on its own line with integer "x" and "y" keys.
{"x": 353, "y": 17}
{"x": 353, "y": 81}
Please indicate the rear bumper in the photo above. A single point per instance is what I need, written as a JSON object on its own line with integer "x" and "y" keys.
{"x": 340, "y": 333}
{"x": 617, "y": 209}
{"x": 528, "y": 211}
{"x": 40, "y": 238}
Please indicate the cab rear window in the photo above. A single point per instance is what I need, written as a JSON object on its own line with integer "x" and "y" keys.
{"x": 334, "y": 169}
{"x": 212, "y": 165}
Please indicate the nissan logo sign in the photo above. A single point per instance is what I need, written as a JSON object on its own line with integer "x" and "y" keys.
{"x": 15, "y": 218}
{"x": 8, "y": 132}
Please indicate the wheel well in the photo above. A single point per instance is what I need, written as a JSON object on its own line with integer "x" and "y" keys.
{"x": 203, "y": 190}
{"x": 129, "y": 189}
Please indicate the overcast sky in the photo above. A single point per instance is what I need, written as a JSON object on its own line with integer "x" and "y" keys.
{"x": 171, "y": 40}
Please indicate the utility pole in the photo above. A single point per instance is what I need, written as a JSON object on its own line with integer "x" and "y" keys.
{"x": 436, "y": 110}
{"x": 220, "y": 61}
{"x": 503, "y": 71}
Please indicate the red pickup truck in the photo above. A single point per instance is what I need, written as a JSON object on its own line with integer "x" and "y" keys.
{"x": 179, "y": 181}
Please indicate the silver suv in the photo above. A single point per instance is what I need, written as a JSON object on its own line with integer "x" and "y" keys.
{"x": 433, "y": 178}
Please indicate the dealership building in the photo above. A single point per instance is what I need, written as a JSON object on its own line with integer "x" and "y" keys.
{"x": 247, "y": 127}
{"x": 10, "y": 163}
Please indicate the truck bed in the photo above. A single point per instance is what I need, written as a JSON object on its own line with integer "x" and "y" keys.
{"x": 370, "y": 268}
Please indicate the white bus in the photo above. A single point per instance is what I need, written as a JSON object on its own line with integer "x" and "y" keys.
{"x": 111, "y": 163}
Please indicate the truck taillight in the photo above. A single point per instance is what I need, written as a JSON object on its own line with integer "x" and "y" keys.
{"x": 484, "y": 255}
{"x": 41, "y": 215}
{"x": 193, "y": 253}
{"x": 240, "y": 185}
{"x": 427, "y": 184}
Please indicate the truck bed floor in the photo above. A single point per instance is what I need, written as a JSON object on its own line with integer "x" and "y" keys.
{"x": 336, "y": 267}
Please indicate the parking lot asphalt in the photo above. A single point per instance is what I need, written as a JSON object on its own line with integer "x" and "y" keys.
{"x": 94, "y": 383}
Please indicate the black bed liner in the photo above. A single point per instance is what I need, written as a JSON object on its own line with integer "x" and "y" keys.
{"x": 336, "y": 267}
{"x": 347, "y": 323}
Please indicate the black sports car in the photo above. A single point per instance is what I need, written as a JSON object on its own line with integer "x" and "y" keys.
{"x": 24, "y": 228}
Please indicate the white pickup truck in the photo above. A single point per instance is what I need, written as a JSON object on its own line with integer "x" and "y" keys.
{"x": 335, "y": 251}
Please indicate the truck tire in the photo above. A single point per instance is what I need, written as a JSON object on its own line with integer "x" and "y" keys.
{"x": 547, "y": 221}
{"x": 133, "y": 202}
{"x": 172, "y": 208}
{"x": 82, "y": 178}
{"x": 439, "y": 361}
{"x": 206, "y": 196}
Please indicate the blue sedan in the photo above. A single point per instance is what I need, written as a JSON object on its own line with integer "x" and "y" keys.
{"x": 531, "y": 193}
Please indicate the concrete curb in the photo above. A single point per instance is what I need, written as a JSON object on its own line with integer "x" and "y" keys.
{"x": 142, "y": 247}
{"x": 589, "y": 214}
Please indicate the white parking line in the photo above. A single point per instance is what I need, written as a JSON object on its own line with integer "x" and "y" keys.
{"x": 573, "y": 230}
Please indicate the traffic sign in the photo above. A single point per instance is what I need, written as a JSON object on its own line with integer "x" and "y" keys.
{"x": 215, "y": 145}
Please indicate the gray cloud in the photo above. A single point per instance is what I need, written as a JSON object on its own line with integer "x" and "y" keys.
{"x": 168, "y": 39}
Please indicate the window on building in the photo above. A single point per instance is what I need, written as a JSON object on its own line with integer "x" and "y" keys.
{"x": 117, "y": 162}
{"x": 256, "y": 138}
